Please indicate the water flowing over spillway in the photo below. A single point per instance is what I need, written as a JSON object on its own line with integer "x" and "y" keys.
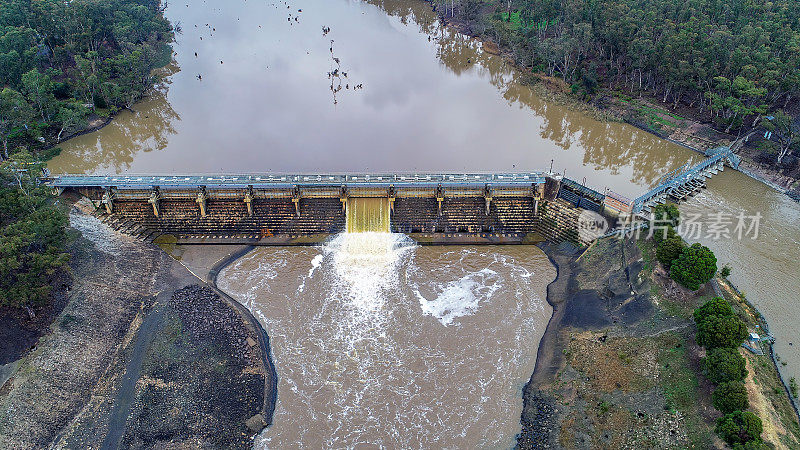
{"x": 378, "y": 341}
{"x": 368, "y": 215}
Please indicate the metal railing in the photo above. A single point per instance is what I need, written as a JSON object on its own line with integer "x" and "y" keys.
{"x": 682, "y": 178}
{"x": 289, "y": 180}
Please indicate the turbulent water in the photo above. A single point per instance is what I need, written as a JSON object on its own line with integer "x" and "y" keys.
{"x": 377, "y": 341}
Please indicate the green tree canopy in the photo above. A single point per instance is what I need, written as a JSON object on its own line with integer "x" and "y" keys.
{"x": 717, "y": 306}
{"x": 694, "y": 267}
{"x": 669, "y": 250}
{"x": 721, "y": 331}
{"x": 730, "y": 396}
{"x": 56, "y": 57}
{"x": 33, "y": 234}
{"x": 724, "y": 364}
{"x": 667, "y": 214}
{"x": 739, "y": 428}
{"x": 786, "y": 131}
{"x": 733, "y": 60}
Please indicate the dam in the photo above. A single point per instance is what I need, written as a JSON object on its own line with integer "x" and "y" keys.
{"x": 307, "y": 209}
{"x": 447, "y": 208}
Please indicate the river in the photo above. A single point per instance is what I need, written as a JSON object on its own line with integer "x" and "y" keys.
{"x": 261, "y": 87}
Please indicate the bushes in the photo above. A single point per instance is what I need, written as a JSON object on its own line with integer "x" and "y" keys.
{"x": 730, "y": 396}
{"x": 721, "y": 331}
{"x": 33, "y": 236}
{"x": 660, "y": 234}
{"x": 723, "y": 365}
{"x": 667, "y": 215}
{"x": 690, "y": 266}
{"x": 740, "y": 428}
{"x": 717, "y": 306}
{"x": 694, "y": 267}
{"x": 669, "y": 250}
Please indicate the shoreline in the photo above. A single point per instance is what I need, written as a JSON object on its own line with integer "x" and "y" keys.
{"x": 537, "y": 412}
{"x": 460, "y": 27}
{"x": 773, "y": 356}
{"x": 271, "y": 388}
{"x": 580, "y": 387}
{"x": 122, "y": 289}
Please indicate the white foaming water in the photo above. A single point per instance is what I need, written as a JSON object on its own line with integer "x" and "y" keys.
{"x": 104, "y": 238}
{"x": 461, "y": 297}
{"x": 366, "y": 265}
{"x": 362, "y": 361}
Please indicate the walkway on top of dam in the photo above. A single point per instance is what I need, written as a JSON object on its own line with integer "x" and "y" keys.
{"x": 685, "y": 180}
{"x": 290, "y": 180}
{"x": 679, "y": 184}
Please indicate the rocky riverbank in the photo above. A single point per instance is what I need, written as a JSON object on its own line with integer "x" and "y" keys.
{"x": 618, "y": 366}
{"x": 111, "y": 370}
{"x": 219, "y": 401}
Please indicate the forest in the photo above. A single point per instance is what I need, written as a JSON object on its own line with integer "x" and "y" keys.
{"x": 734, "y": 62}
{"x": 64, "y": 62}
{"x": 33, "y": 235}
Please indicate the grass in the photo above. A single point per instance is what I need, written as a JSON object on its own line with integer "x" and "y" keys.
{"x": 681, "y": 388}
{"x": 618, "y": 364}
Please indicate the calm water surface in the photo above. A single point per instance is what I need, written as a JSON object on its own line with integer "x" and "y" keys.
{"x": 271, "y": 99}
{"x": 431, "y": 101}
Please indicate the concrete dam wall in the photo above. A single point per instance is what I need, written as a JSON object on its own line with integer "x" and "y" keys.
{"x": 503, "y": 212}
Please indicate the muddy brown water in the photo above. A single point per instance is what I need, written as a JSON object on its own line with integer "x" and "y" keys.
{"x": 380, "y": 343}
{"x": 273, "y": 98}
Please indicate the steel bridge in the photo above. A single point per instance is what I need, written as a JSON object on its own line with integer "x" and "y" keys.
{"x": 685, "y": 181}
{"x": 678, "y": 185}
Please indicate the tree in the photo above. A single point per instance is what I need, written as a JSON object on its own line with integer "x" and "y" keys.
{"x": 660, "y": 233}
{"x": 14, "y": 116}
{"x": 724, "y": 364}
{"x": 667, "y": 214}
{"x": 730, "y": 396}
{"x": 717, "y": 306}
{"x": 721, "y": 331}
{"x": 32, "y": 237}
{"x": 72, "y": 114}
{"x": 786, "y": 131}
{"x": 38, "y": 88}
{"x": 739, "y": 427}
{"x": 669, "y": 250}
{"x": 113, "y": 44}
{"x": 694, "y": 267}
{"x": 737, "y": 99}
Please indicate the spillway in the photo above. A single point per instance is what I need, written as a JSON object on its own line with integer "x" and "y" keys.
{"x": 368, "y": 215}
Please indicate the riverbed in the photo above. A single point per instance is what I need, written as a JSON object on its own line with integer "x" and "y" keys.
{"x": 261, "y": 87}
